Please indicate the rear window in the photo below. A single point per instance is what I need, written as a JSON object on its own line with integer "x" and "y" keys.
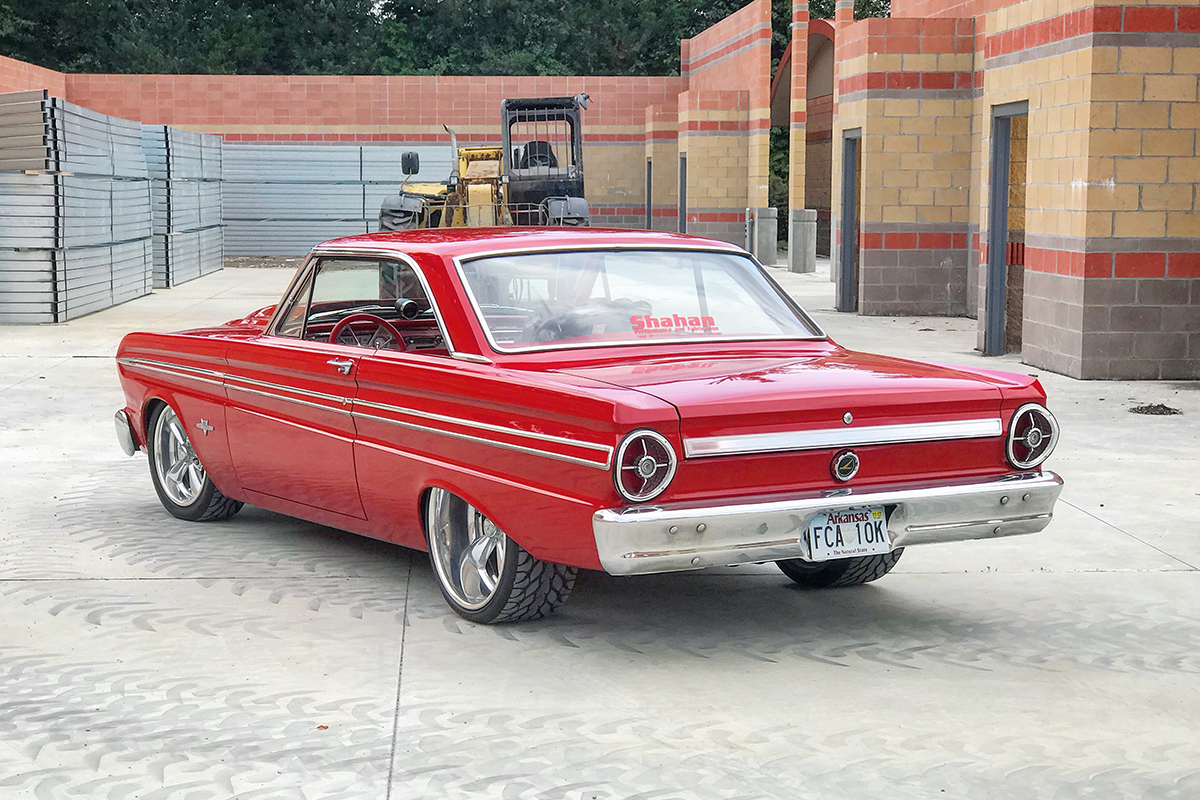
{"x": 534, "y": 301}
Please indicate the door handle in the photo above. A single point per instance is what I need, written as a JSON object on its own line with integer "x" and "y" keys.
{"x": 342, "y": 365}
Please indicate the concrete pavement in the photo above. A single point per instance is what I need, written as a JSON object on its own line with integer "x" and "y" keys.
{"x": 144, "y": 657}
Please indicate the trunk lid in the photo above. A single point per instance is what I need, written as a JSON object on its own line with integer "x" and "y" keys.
{"x": 749, "y": 395}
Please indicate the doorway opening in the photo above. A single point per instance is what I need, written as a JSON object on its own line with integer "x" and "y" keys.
{"x": 1005, "y": 288}
{"x": 847, "y": 284}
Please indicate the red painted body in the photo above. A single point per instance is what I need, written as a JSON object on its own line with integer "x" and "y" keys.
{"x": 327, "y": 452}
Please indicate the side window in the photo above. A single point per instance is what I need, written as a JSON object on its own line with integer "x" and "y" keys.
{"x": 370, "y": 290}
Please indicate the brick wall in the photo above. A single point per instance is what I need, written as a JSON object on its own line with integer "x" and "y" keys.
{"x": 1112, "y": 225}
{"x": 400, "y": 109}
{"x": 662, "y": 149}
{"x": 908, "y": 84}
{"x": 818, "y": 165}
{"x": 714, "y": 132}
{"x": 735, "y": 56}
{"x": 18, "y": 76}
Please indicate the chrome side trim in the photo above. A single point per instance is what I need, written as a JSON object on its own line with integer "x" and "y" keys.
{"x": 823, "y": 438}
{"x": 484, "y": 426}
{"x": 583, "y": 462}
{"x": 230, "y": 381}
{"x": 275, "y": 396}
{"x": 333, "y": 398}
{"x": 179, "y": 370}
{"x": 670, "y": 537}
{"x": 471, "y": 357}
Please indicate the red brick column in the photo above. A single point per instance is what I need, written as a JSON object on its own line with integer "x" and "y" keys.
{"x": 798, "y": 116}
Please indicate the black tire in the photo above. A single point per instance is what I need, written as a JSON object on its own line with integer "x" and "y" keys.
{"x": 526, "y": 588}
{"x": 208, "y": 506}
{"x": 841, "y": 572}
{"x": 536, "y": 589}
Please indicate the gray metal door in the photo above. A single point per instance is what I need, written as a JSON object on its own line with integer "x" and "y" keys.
{"x": 847, "y": 283}
{"x": 997, "y": 236}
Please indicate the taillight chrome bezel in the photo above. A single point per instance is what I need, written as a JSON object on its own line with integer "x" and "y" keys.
{"x": 656, "y": 482}
{"x": 1040, "y": 450}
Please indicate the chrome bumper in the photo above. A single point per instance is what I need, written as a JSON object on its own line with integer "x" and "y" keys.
{"x": 665, "y": 538}
{"x": 125, "y": 435}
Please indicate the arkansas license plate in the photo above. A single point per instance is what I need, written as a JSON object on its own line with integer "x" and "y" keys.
{"x": 845, "y": 534}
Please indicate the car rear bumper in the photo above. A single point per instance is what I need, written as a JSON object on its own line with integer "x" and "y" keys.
{"x": 125, "y": 436}
{"x": 666, "y": 538}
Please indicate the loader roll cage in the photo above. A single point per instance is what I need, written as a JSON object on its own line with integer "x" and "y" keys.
{"x": 542, "y": 140}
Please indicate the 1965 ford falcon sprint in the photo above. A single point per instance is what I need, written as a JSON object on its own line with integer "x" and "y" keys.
{"x": 527, "y": 403}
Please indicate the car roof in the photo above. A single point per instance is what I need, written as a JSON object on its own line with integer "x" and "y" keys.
{"x": 475, "y": 241}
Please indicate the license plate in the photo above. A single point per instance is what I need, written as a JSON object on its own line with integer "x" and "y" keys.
{"x": 845, "y": 534}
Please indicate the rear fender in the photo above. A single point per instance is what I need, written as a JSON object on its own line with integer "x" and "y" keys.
{"x": 551, "y": 527}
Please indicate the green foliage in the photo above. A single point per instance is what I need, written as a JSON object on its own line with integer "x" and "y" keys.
{"x": 435, "y": 37}
{"x": 863, "y": 9}
{"x": 777, "y": 184}
{"x": 205, "y": 36}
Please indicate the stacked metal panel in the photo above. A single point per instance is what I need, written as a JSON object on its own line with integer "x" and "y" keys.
{"x": 75, "y": 210}
{"x": 186, "y": 171}
{"x": 281, "y": 199}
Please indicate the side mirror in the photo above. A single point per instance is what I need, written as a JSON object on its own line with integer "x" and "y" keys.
{"x": 408, "y": 309}
{"x": 410, "y": 163}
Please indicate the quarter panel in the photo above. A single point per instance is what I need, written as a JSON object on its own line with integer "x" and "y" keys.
{"x": 531, "y": 452}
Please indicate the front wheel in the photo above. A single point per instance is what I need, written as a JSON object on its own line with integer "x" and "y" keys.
{"x": 485, "y": 576}
{"x": 841, "y": 571}
{"x": 182, "y": 485}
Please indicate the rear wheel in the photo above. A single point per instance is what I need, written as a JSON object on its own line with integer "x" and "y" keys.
{"x": 485, "y": 576}
{"x": 179, "y": 479}
{"x": 840, "y": 572}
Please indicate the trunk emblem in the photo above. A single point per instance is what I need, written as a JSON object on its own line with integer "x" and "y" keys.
{"x": 844, "y": 465}
{"x": 847, "y": 418}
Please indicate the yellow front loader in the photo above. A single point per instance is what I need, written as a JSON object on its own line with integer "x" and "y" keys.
{"x": 540, "y": 182}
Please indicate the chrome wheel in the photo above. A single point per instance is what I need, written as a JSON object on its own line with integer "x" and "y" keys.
{"x": 467, "y": 549}
{"x": 176, "y": 465}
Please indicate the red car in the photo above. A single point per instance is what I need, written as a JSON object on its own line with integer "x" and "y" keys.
{"x": 525, "y": 403}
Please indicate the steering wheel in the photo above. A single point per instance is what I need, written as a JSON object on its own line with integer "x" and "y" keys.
{"x": 381, "y": 324}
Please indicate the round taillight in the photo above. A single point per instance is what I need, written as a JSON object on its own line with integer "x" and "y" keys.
{"x": 1032, "y": 435}
{"x": 644, "y": 467}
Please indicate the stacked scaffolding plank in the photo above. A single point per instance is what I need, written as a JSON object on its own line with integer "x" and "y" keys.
{"x": 75, "y": 210}
{"x": 281, "y": 199}
{"x": 185, "y": 170}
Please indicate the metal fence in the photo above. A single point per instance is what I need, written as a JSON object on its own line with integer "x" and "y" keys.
{"x": 185, "y": 169}
{"x": 75, "y": 210}
{"x": 281, "y": 199}
{"x": 96, "y": 210}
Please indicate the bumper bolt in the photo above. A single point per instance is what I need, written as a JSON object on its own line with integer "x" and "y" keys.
{"x": 996, "y": 529}
{"x": 1004, "y": 500}
{"x": 673, "y": 529}
{"x": 696, "y": 561}
{"x": 1025, "y": 499}
{"x": 701, "y": 528}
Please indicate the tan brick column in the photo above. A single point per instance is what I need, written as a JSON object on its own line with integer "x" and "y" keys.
{"x": 662, "y": 150}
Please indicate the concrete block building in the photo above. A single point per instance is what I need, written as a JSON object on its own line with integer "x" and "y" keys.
{"x": 1032, "y": 164}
